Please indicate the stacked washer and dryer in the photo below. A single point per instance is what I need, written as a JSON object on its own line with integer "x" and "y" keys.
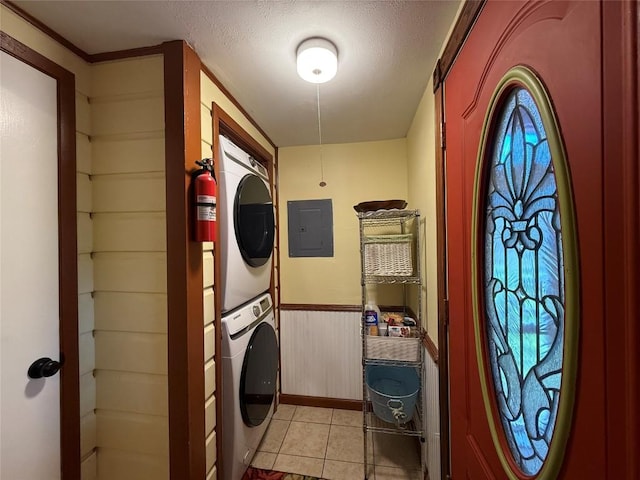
{"x": 249, "y": 343}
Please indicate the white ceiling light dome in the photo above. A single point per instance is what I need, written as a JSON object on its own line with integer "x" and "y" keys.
{"x": 317, "y": 60}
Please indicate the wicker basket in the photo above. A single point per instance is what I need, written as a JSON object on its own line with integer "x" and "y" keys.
{"x": 388, "y": 255}
{"x": 393, "y": 348}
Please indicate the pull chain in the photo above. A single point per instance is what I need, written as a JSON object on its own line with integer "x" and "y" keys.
{"x": 322, "y": 182}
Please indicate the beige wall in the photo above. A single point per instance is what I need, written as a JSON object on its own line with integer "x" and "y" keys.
{"x": 422, "y": 195}
{"x": 24, "y": 32}
{"x": 354, "y": 173}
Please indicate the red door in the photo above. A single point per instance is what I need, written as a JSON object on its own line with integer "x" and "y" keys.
{"x": 561, "y": 43}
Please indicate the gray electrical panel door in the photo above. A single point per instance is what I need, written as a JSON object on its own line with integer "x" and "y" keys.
{"x": 310, "y": 228}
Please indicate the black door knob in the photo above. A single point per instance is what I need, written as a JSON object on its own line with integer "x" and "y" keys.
{"x": 43, "y": 367}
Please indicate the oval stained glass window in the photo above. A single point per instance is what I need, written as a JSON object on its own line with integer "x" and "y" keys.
{"x": 525, "y": 291}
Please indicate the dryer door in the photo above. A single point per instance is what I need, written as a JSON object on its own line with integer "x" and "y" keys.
{"x": 259, "y": 372}
{"x": 253, "y": 220}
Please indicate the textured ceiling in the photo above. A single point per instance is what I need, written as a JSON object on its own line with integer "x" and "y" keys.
{"x": 386, "y": 54}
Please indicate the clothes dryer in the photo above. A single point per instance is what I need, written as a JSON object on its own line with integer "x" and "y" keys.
{"x": 250, "y": 369}
{"x": 247, "y": 225}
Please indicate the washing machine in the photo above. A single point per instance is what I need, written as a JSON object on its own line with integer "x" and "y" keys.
{"x": 247, "y": 225}
{"x": 250, "y": 368}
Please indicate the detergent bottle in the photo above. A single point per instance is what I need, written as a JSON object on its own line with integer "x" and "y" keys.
{"x": 371, "y": 318}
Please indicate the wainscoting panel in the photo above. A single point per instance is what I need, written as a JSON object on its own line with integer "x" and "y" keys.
{"x": 432, "y": 415}
{"x": 321, "y": 354}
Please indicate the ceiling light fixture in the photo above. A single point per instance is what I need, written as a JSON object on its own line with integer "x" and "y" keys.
{"x": 317, "y": 60}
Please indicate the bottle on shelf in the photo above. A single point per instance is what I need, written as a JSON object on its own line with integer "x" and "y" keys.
{"x": 371, "y": 318}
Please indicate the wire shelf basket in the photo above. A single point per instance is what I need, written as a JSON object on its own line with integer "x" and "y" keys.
{"x": 392, "y": 348}
{"x": 388, "y": 255}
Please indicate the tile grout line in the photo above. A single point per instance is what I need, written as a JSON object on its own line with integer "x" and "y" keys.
{"x": 285, "y": 435}
{"x": 324, "y": 461}
{"x": 303, "y": 421}
{"x": 331, "y": 424}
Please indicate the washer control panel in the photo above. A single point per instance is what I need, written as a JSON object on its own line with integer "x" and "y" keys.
{"x": 240, "y": 319}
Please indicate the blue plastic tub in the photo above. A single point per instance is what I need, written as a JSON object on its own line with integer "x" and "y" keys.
{"x": 393, "y": 392}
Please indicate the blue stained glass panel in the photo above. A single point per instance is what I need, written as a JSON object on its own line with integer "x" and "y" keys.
{"x": 524, "y": 280}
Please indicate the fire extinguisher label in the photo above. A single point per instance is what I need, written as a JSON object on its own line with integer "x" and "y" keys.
{"x": 206, "y": 199}
{"x": 207, "y": 213}
{"x": 206, "y": 208}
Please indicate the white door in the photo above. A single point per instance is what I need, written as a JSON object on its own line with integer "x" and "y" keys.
{"x": 29, "y": 301}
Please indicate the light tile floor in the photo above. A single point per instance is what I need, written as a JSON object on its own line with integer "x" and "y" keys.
{"x": 328, "y": 443}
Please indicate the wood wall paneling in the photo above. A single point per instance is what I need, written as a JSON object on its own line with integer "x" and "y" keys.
{"x": 86, "y": 322}
{"x": 146, "y": 392}
{"x": 213, "y": 364}
{"x": 133, "y": 434}
{"x": 88, "y": 435}
{"x": 129, "y": 264}
{"x": 321, "y": 354}
{"x": 130, "y": 226}
{"x": 430, "y": 392}
{"x": 89, "y": 467}
{"x": 210, "y": 415}
{"x": 115, "y": 463}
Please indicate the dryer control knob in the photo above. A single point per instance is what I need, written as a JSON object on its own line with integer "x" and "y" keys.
{"x": 256, "y": 310}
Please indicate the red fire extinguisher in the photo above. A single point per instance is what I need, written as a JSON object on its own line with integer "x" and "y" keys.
{"x": 205, "y": 201}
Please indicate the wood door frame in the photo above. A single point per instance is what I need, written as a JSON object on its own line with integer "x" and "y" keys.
{"x": 67, "y": 251}
{"x": 442, "y": 359}
{"x": 461, "y": 30}
{"x": 621, "y": 195}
